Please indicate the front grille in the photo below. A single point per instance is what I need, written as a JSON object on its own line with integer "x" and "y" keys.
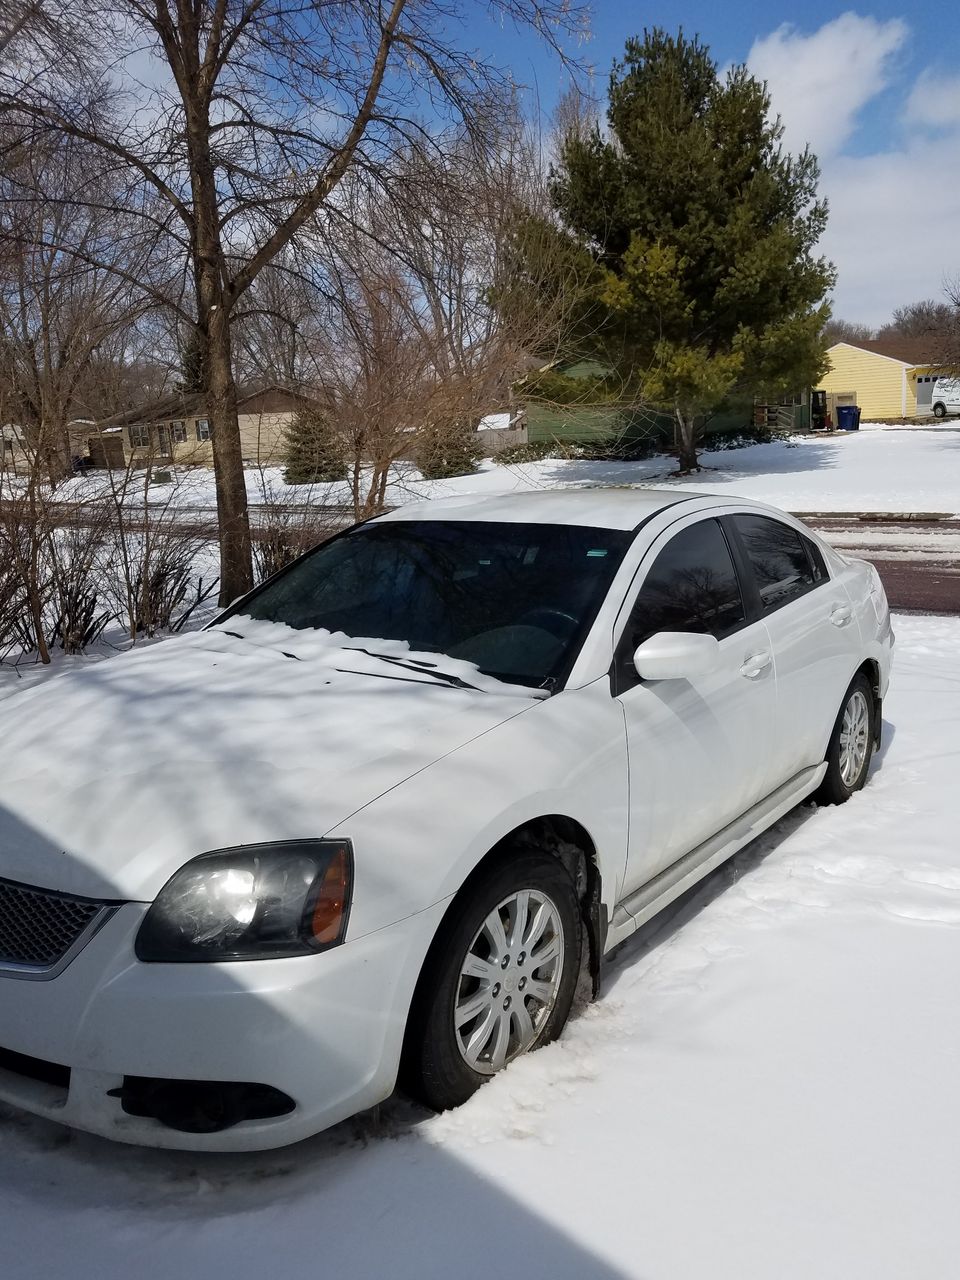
{"x": 38, "y": 927}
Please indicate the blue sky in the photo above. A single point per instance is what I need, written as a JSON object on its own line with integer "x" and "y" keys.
{"x": 875, "y": 91}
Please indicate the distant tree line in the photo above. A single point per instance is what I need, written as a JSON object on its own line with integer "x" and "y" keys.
{"x": 928, "y": 318}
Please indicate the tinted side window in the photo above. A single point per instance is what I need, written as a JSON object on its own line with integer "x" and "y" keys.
{"x": 780, "y": 563}
{"x": 692, "y": 586}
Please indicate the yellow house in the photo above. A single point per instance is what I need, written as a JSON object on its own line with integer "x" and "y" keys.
{"x": 886, "y": 377}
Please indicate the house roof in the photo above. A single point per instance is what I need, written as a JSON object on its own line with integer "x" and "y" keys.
{"x": 177, "y": 405}
{"x": 909, "y": 351}
{"x": 186, "y": 404}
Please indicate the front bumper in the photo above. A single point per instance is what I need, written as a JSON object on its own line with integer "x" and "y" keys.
{"x": 326, "y": 1030}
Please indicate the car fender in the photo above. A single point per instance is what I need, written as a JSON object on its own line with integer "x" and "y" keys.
{"x": 416, "y": 845}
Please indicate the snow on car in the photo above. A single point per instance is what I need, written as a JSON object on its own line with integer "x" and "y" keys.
{"x": 370, "y": 823}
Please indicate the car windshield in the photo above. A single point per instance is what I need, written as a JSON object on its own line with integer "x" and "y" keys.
{"x": 514, "y": 599}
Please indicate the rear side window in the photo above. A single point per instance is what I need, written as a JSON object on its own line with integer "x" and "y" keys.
{"x": 815, "y": 556}
{"x": 781, "y": 566}
{"x": 692, "y": 586}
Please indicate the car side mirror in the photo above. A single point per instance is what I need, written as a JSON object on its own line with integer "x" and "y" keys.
{"x": 677, "y": 655}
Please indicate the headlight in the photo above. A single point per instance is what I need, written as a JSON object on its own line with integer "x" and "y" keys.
{"x": 257, "y": 902}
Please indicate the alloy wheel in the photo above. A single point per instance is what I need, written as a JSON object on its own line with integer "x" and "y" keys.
{"x": 509, "y": 981}
{"x": 854, "y": 732}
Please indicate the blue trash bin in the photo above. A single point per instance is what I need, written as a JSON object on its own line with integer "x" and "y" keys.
{"x": 848, "y": 417}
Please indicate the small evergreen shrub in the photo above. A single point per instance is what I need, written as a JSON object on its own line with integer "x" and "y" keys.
{"x": 315, "y": 455}
{"x": 447, "y": 450}
{"x": 537, "y": 450}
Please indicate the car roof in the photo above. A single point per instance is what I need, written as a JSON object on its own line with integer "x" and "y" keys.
{"x": 593, "y": 506}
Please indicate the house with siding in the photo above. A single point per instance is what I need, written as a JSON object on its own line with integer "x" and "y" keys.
{"x": 588, "y": 420}
{"x": 886, "y": 377}
{"x": 177, "y": 430}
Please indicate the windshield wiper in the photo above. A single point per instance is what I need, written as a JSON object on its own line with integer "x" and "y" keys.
{"x": 237, "y": 636}
{"x": 420, "y": 668}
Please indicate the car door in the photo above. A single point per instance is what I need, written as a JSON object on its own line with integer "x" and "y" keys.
{"x": 697, "y": 748}
{"x": 813, "y": 632}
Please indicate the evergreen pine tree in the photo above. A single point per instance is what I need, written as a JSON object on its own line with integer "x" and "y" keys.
{"x": 697, "y": 232}
{"x": 193, "y": 361}
{"x": 447, "y": 449}
{"x": 314, "y": 453}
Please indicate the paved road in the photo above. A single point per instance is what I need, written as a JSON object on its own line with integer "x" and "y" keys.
{"x": 918, "y": 560}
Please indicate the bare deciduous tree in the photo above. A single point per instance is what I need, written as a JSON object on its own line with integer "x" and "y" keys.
{"x": 837, "y": 330}
{"x": 259, "y": 110}
{"x": 407, "y": 321}
{"x": 65, "y": 318}
{"x": 927, "y": 318}
{"x": 42, "y": 34}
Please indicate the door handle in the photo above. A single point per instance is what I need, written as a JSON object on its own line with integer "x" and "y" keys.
{"x": 841, "y": 615}
{"x": 755, "y": 664}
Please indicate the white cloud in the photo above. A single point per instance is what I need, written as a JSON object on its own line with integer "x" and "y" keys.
{"x": 892, "y": 230}
{"x": 934, "y": 101}
{"x": 820, "y": 83}
{"x": 893, "y": 213}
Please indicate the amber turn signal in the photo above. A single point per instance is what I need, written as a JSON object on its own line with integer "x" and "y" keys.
{"x": 334, "y": 894}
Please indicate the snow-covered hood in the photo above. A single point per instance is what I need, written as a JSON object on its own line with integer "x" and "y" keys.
{"x": 112, "y": 777}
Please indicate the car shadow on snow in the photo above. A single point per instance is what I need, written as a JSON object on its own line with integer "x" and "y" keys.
{"x": 369, "y": 1198}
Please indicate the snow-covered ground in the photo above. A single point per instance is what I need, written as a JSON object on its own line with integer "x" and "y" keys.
{"x": 875, "y": 469}
{"x": 767, "y": 1087}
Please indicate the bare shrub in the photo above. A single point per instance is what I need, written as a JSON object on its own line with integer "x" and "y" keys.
{"x": 155, "y": 549}
{"x": 78, "y": 611}
{"x": 24, "y": 526}
{"x": 68, "y": 570}
{"x": 51, "y": 562}
{"x": 282, "y": 535}
{"x": 159, "y": 582}
{"x": 16, "y": 633}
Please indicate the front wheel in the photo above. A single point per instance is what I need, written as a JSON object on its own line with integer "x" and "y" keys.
{"x": 499, "y": 981}
{"x": 851, "y": 745}
{"x": 939, "y": 410}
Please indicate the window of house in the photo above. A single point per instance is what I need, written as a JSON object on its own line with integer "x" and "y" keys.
{"x": 140, "y": 437}
{"x": 781, "y": 566}
{"x": 692, "y": 586}
{"x": 178, "y": 432}
{"x": 203, "y": 428}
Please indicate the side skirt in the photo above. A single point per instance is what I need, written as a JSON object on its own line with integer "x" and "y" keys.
{"x": 681, "y": 875}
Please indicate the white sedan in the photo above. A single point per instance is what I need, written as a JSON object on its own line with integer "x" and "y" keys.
{"x": 371, "y": 823}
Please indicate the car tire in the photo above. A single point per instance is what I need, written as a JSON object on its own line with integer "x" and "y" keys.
{"x": 939, "y": 410}
{"x": 851, "y": 744}
{"x": 519, "y": 1004}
